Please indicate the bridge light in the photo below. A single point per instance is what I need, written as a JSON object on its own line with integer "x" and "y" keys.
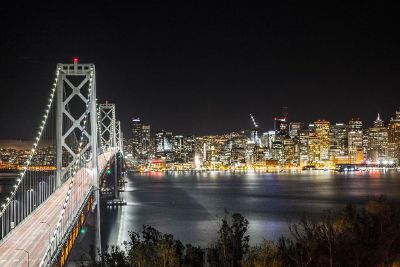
{"x": 76, "y": 59}
{"x": 83, "y": 230}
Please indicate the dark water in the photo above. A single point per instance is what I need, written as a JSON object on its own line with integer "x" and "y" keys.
{"x": 7, "y": 180}
{"x": 190, "y": 205}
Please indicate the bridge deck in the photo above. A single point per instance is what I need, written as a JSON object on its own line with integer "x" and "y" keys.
{"x": 32, "y": 235}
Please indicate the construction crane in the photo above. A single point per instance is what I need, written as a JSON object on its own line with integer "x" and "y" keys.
{"x": 280, "y": 124}
{"x": 254, "y": 131}
{"x": 254, "y": 121}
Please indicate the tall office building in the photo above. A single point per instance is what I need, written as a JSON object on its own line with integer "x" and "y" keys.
{"x": 289, "y": 150}
{"x": 356, "y": 141}
{"x": 179, "y": 148}
{"x": 294, "y": 129}
{"x": 339, "y": 136}
{"x": 394, "y": 136}
{"x": 365, "y": 143}
{"x": 254, "y": 136}
{"x": 137, "y": 137}
{"x": 277, "y": 151}
{"x": 355, "y": 146}
{"x": 164, "y": 141}
{"x": 146, "y": 139}
{"x": 322, "y": 129}
{"x": 281, "y": 126}
{"x": 313, "y": 148}
{"x": 268, "y": 138}
{"x": 303, "y": 147}
{"x": 377, "y": 141}
{"x": 189, "y": 145}
{"x": 355, "y": 124}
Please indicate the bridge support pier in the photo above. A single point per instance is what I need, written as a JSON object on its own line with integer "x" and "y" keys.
{"x": 116, "y": 178}
{"x": 96, "y": 180}
{"x": 97, "y": 238}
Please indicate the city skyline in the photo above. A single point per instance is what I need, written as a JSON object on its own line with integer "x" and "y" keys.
{"x": 192, "y": 67}
{"x": 290, "y": 145}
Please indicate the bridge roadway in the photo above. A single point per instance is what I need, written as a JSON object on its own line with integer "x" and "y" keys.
{"x": 32, "y": 235}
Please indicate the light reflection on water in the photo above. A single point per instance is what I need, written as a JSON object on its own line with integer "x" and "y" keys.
{"x": 190, "y": 205}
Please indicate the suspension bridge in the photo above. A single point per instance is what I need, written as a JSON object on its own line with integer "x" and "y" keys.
{"x": 63, "y": 176}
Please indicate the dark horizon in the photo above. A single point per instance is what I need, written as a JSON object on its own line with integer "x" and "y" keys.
{"x": 200, "y": 69}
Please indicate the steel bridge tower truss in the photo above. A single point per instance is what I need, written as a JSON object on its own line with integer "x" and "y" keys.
{"x": 76, "y": 105}
{"x": 76, "y": 128}
{"x": 107, "y": 126}
{"x": 118, "y": 136}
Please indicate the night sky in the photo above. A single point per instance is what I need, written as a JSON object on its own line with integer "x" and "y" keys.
{"x": 201, "y": 68}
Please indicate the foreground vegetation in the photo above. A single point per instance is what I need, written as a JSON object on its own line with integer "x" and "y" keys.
{"x": 360, "y": 237}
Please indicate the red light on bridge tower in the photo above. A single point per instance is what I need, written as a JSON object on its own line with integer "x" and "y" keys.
{"x": 76, "y": 59}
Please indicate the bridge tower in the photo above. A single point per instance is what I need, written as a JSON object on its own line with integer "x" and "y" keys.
{"x": 76, "y": 116}
{"x": 118, "y": 136}
{"x": 111, "y": 137}
{"x": 107, "y": 128}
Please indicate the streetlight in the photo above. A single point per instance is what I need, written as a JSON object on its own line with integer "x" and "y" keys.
{"x": 27, "y": 252}
{"x": 50, "y": 231}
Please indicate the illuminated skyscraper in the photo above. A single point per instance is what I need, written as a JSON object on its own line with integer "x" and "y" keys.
{"x": 289, "y": 150}
{"x": 322, "y": 129}
{"x": 179, "y": 148}
{"x": 268, "y": 138}
{"x": 338, "y": 151}
{"x": 164, "y": 145}
{"x": 394, "y": 136}
{"x": 189, "y": 145}
{"x": 254, "y": 136}
{"x": 184, "y": 148}
{"x": 303, "y": 147}
{"x": 377, "y": 141}
{"x": 146, "y": 135}
{"x": 294, "y": 129}
{"x": 355, "y": 124}
{"x": 277, "y": 151}
{"x": 281, "y": 124}
{"x": 339, "y": 136}
{"x": 313, "y": 148}
{"x": 137, "y": 137}
{"x": 355, "y": 142}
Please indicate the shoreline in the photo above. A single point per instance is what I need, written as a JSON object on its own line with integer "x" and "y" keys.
{"x": 271, "y": 171}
